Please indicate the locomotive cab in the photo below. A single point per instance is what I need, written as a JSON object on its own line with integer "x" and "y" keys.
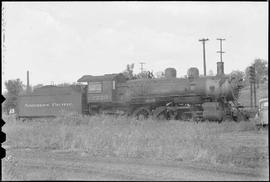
{"x": 101, "y": 90}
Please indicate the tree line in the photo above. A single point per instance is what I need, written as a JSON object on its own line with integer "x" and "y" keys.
{"x": 261, "y": 73}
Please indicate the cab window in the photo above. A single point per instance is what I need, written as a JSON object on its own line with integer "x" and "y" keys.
{"x": 94, "y": 87}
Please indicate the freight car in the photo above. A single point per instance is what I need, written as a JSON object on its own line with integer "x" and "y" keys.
{"x": 194, "y": 97}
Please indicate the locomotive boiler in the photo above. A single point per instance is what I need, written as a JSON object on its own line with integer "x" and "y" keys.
{"x": 193, "y": 97}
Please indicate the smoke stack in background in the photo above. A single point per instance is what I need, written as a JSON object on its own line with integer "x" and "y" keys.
{"x": 28, "y": 86}
{"x": 220, "y": 68}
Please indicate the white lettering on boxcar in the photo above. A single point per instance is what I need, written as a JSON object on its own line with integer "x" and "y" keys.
{"x": 49, "y": 105}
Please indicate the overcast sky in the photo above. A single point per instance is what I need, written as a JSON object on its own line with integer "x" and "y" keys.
{"x": 63, "y": 41}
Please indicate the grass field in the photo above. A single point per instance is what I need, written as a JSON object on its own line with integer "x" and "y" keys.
{"x": 210, "y": 142}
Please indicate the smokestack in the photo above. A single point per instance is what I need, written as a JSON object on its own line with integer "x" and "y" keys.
{"x": 220, "y": 68}
{"x": 28, "y": 86}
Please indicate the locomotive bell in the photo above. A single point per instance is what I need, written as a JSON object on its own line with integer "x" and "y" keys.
{"x": 170, "y": 73}
{"x": 193, "y": 72}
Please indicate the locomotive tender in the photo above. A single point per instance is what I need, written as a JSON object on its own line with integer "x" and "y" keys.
{"x": 49, "y": 101}
{"x": 193, "y": 97}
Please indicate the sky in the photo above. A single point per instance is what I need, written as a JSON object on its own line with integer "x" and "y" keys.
{"x": 62, "y": 41}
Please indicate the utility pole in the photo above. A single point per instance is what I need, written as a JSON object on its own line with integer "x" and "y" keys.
{"x": 254, "y": 87}
{"x": 252, "y": 76}
{"x": 254, "y": 92}
{"x": 204, "y": 63}
{"x": 142, "y": 66}
{"x": 221, "y": 52}
{"x": 251, "y": 95}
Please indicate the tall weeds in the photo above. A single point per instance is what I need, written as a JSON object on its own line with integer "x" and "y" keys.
{"x": 128, "y": 137}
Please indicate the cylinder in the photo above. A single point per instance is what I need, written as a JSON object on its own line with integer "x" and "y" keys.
{"x": 193, "y": 72}
{"x": 220, "y": 68}
{"x": 170, "y": 73}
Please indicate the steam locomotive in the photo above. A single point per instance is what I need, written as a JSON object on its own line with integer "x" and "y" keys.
{"x": 190, "y": 98}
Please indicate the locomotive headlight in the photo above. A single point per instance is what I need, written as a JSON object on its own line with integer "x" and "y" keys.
{"x": 212, "y": 87}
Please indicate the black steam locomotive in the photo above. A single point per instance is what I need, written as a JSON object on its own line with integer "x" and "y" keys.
{"x": 193, "y": 97}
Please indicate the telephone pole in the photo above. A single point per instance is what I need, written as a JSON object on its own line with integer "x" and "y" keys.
{"x": 142, "y": 66}
{"x": 254, "y": 87}
{"x": 204, "y": 63}
{"x": 252, "y": 76}
{"x": 221, "y": 52}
